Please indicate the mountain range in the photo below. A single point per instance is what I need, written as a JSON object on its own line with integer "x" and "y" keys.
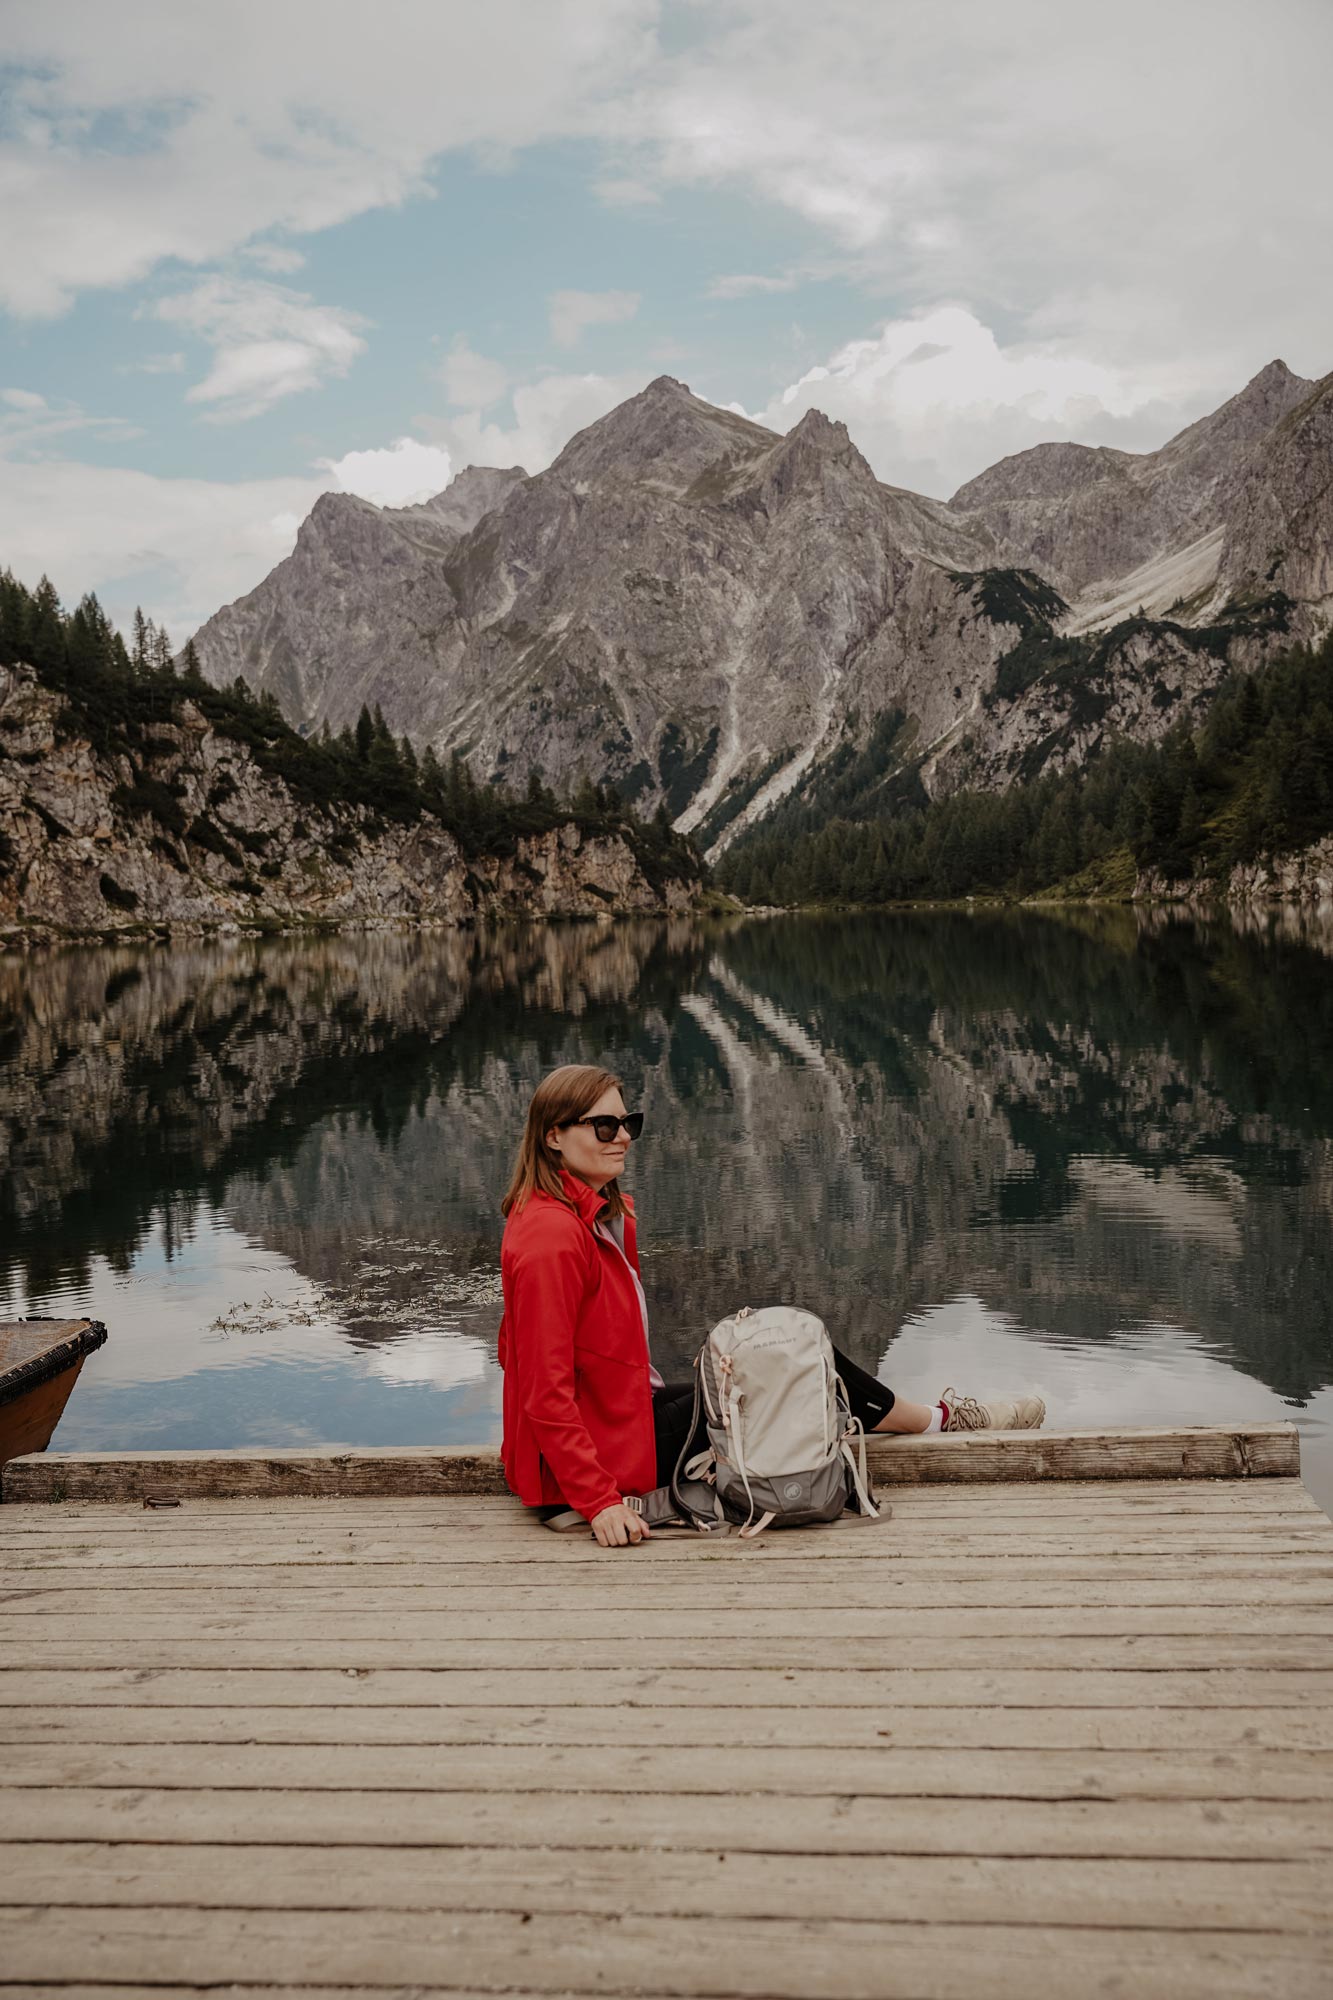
{"x": 722, "y": 619}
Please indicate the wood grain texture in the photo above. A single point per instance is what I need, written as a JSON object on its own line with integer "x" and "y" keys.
{"x": 29, "y": 1418}
{"x": 1218, "y": 1895}
{"x": 342, "y": 1747}
{"x": 751, "y": 1823}
{"x": 695, "y": 1956}
{"x": 984, "y": 1727}
{"x": 976, "y": 1457}
{"x": 741, "y": 1689}
{"x": 884, "y": 1771}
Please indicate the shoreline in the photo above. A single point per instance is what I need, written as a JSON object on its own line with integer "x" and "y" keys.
{"x": 1204, "y": 904}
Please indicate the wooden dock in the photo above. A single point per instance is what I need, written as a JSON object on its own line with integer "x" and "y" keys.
{"x": 1061, "y": 1735}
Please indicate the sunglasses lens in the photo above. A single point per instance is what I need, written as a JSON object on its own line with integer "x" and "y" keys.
{"x": 607, "y": 1129}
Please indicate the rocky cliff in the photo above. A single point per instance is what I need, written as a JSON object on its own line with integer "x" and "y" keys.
{"x": 717, "y": 618}
{"x": 1301, "y": 880}
{"x": 90, "y": 842}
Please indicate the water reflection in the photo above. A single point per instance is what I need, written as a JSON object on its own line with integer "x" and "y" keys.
{"x": 1090, "y": 1153}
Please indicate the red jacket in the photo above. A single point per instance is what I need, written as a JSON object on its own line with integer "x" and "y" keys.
{"x": 578, "y": 1404}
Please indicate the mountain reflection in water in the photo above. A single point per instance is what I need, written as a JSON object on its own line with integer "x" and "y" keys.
{"x": 1087, "y": 1153}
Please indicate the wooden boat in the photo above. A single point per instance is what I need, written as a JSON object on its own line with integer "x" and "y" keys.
{"x": 40, "y": 1361}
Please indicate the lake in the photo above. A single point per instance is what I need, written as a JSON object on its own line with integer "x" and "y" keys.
{"x": 1090, "y": 1154}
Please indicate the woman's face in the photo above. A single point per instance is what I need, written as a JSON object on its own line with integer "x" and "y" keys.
{"x": 579, "y": 1148}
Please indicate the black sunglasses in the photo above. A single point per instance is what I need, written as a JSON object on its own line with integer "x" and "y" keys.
{"x": 606, "y": 1128}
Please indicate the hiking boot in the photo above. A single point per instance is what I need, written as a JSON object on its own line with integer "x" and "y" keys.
{"x": 1001, "y": 1413}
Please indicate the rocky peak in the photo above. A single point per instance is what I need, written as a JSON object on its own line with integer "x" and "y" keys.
{"x": 817, "y": 429}
{"x": 1045, "y": 472}
{"x": 470, "y": 495}
{"x": 337, "y": 524}
{"x": 1243, "y": 420}
{"x": 812, "y": 451}
{"x": 1083, "y": 515}
{"x": 1279, "y": 508}
{"x": 663, "y": 434}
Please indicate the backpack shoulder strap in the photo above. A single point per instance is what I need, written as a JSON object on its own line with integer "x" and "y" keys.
{"x": 687, "y": 1492}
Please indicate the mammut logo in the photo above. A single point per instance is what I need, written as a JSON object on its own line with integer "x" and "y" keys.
{"x": 792, "y": 1490}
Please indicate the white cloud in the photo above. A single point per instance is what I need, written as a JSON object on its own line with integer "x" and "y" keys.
{"x": 1059, "y": 168}
{"x": 933, "y": 399}
{"x": 398, "y": 475}
{"x": 471, "y": 379}
{"x": 208, "y": 127}
{"x": 542, "y": 418}
{"x": 572, "y": 313}
{"x": 180, "y": 547}
{"x": 30, "y": 424}
{"x": 269, "y": 342}
{"x": 279, "y": 258}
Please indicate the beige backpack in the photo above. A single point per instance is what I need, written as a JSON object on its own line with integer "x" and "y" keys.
{"x": 783, "y": 1447}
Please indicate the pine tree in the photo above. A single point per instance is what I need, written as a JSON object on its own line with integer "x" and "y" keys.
{"x": 45, "y": 633}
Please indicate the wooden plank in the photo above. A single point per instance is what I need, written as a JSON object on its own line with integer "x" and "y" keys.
{"x": 649, "y": 1628}
{"x": 930, "y": 1563}
{"x": 82, "y": 1989}
{"x": 944, "y": 1509}
{"x": 1180, "y": 1452}
{"x": 755, "y": 1823}
{"x": 781, "y": 1958}
{"x": 1212, "y": 1730}
{"x": 605, "y": 1594}
{"x": 1291, "y": 1896}
{"x": 769, "y": 1686}
{"x": 875, "y": 1540}
{"x": 887, "y": 1771}
{"x": 1228, "y": 1573}
{"x": 553, "y": 1554}
{"x": 906, "y": 1501}
{"x": 907, "y": 1507}
{"x": 70, "y": 1643}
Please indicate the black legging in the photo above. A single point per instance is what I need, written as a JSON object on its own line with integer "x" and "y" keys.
{"x": 673, "y": 1407}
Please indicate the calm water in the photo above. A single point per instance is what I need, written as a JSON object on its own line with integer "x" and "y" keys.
{"x": 1091, "y": 1156}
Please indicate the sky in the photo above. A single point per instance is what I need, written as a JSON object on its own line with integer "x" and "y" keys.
{"x": 251, "y": 252}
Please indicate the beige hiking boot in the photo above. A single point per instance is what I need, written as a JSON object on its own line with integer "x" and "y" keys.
{"x": 1001, "y": 1413}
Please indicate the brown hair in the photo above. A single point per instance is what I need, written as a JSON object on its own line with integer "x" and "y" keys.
{"x": 568, "y": 1093}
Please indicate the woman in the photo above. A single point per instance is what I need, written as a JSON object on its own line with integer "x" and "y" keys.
{"x": 587, "y": 1418}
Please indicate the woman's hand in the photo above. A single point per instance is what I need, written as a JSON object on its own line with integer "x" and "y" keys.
{"x": 615, "y": 1526}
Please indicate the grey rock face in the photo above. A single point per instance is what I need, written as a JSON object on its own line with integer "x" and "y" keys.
{"x": 357, "y": 605}
{"x": 1280, "y": 510}
{"x": 1082, "y": 515}
{"x": 715, "y": 617}
{"x": 78, "y": 859}
{"x": 1296, "y": 882}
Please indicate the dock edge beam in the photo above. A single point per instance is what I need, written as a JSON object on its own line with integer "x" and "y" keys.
{"x": 1196, "y": 1451}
